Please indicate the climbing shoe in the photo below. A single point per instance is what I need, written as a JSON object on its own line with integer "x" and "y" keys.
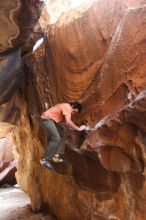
{"x": 46, "y": 164}
{"x": 58, "y": 159}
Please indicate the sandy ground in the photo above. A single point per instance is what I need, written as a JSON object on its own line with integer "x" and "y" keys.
{"x": 15, "y": 204}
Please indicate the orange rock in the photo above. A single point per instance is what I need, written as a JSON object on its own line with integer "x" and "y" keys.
{"x": 95, "y": 56}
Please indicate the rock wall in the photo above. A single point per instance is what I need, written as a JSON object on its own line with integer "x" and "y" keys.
{"x": 16, "y": 29}
{"x": 95, "y": 56}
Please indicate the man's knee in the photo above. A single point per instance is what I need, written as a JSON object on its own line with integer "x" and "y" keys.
{"x": 56, "y": 139}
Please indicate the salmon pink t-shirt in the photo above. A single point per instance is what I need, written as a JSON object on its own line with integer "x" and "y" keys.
{"x": 58, "y": 112}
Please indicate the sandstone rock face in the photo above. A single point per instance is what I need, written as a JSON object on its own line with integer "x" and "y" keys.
{"x": 124, "y": 59}
{"x": 85, "y": 61}
{"x": 10, "y": 77}
{"x": 6, "y": 154}
{"x": 17, "y": 22}
{"x": 6, "y": 149}
{"x": 16, "y": 25}
{"x": 95, "y": 55}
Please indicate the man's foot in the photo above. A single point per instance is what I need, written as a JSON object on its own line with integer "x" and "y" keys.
{"x": 46, "y": 164}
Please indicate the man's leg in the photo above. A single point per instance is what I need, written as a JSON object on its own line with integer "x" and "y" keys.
{"x": 54, "y": 139}
{"x": 62, "y": 132}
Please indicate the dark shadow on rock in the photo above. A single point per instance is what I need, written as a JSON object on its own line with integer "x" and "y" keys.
{"x": 10, "y": 76}
{"x": 61, "y": 168}
{"x": 90, "y": 174}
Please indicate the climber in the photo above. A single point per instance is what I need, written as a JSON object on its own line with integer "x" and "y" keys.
{"x": 53, "y": 120}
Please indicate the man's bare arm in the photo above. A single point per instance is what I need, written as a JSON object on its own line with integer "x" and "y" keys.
{"x": 71, "y": 124}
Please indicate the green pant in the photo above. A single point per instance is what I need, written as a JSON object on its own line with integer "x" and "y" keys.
{"x": 56, "y": 133}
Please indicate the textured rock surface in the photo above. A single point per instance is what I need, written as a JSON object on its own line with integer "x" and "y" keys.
{"x": 6, "y": 149}
{"x": 6, "y": 142}
{"x": 96, "y": 56}
{"x": 124, "y": 60}
{"x": 6, "y": 154}
{"x": 10, "y": 78}
{"x": 16, "y": 25}
{"x": 17, "y": 22}
{"x": 65, "y": 53}
{"x": 102, "y": 77}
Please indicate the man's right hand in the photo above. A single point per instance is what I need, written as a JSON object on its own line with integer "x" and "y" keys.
{"x": 81, "y": 128}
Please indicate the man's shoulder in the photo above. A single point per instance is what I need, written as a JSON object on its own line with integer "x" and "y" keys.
{"x": 66, "y": 108}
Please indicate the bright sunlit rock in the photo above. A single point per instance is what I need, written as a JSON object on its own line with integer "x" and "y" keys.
{"x": 77, "y": 3}
{"x": 38, "y": 43}
{"x": 57, "y": 8}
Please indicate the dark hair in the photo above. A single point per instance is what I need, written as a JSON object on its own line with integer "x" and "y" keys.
{"x": 76, "y": 105}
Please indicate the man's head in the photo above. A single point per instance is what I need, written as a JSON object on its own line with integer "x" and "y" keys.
{"x": 76, "y": 106}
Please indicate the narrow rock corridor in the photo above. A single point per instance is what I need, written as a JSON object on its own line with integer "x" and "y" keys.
{"x": 60, "y": 52}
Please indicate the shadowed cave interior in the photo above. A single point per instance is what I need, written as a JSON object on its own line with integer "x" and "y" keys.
{"x": 62, "y": 51}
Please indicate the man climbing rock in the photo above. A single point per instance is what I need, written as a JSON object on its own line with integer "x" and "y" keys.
{"x": 52, "y": 120}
